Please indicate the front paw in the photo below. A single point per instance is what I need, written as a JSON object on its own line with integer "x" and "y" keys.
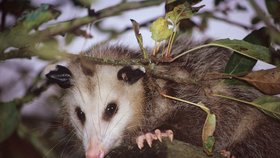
{"x": 226, "y": 154}
{"x": 149, "y": 137}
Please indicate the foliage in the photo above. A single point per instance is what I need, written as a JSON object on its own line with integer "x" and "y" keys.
{"x": 267, "y": 81}
{"x": 268, "y": 104}
{"x": 10, "y": 114}
{"x": 36, "y": 31}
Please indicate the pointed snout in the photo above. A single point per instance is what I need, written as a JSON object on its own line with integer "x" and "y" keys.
{"x": 95, "y": 152}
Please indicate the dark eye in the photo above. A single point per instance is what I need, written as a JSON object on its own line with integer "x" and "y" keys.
{"x": 110, "y": 111}
{"x": 81, "y": 115}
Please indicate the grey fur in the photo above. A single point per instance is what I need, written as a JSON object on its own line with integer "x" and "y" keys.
{"x": 241, "y": 129}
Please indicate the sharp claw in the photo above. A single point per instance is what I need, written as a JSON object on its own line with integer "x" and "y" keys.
{"x": 158, "y": 134}
{"x": 226, "y": 154}
{"x": 140, "y": 146}
{"x": 170, "y": 135}
{"x": 140, "y": 142}
{"x": 171, "y": 138}
{"x": 149, "y": 139}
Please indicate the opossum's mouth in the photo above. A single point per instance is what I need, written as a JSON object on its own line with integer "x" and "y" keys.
{"x": 90, "y": 154}
{"x": 95, "y": 152}
{"x": 101, "y": 150}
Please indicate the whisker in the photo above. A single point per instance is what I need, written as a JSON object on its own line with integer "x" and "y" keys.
{"x": 99, "y": 91}
{"x": 105, "y": 106}
{"x": 72, "y": 134}
{"x": 116, "y": 125}
{"x": 61, "y": 140}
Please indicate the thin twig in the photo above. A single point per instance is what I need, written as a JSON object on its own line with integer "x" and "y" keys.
{"x": 8, "y": 39}
{"x": 209, "y": 14}
{"x": 107, "y": 12}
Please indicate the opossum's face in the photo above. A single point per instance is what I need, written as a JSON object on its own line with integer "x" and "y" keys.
{"x": 102, "y": 102}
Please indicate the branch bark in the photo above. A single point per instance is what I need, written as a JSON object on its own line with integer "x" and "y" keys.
{"x": 107, "y": 12}
{"x": 166, "y": 149}
{"x": 19, "y": 38}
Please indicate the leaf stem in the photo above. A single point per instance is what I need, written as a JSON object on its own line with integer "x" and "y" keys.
{"x": 188, "y": 102}
{"x": 188, "y": 51}
{"x": 243, "y": 101}
{"x": 170, "y": 43}
{"x": 212, "y": 44}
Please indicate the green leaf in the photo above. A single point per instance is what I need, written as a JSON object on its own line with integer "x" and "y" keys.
{"x": 179, "y": 10}
{"x": 47, "y": 50}
{"x": 207, "y": 133}
{"x": 273, "y": 7}
{"x": 19, "y": 36}
{"x": 170, "y": 4}
{"x": 255, "y": 20}
{"x": 208, "y": 145}
{"x": 160, "y": 30}
{"x": 259, "y": 37}
{"x": 239, "y": 64}
{"x": 208, "y": 130}
{"x": 69, "y": 37}
{"x": 9, "y": 119}
{"x": 85, "y": 3}
{"x": 35, "y": 18}
{"x": 269, "y": 105}
{"x": 245, "y": 48}
{"x": 193, "y": 2}
{"x": 179, "y": 13}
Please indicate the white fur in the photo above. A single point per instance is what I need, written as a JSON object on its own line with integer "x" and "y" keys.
{"x": 93, "y": 101}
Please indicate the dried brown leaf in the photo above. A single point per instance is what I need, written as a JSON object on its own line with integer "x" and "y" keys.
{"x": 267, "y": 81}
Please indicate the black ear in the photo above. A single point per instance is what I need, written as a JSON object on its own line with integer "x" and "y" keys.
{"x": 130, "y": 75}
{"x": 61, "y": 76}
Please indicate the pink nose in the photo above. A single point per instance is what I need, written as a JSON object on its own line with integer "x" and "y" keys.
{"x": 94, "y": 153}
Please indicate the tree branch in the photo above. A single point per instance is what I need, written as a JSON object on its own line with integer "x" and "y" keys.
{"x": 211, "y": 15}
{"x": 32, "y": 92}
{"x": 107, "y": 12}
{"x": 19, "y": 38}
{"x": 18, "y": 53}
{"x": 115, "y": 33}
{"x": 163, "y": 149}
{"x": 151, "y": 70}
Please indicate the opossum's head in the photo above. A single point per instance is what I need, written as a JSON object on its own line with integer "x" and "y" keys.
{"x": 102, "y": 102}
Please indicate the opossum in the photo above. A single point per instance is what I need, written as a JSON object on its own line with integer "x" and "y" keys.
{"x": 109, "y": 105}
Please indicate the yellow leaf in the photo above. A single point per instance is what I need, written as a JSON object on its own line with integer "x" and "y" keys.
{"x": 208, "y": 131}
{"x": 160, "y": 30}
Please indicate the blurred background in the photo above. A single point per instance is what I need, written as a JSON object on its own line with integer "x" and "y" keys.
{"x": 41, "y": 132}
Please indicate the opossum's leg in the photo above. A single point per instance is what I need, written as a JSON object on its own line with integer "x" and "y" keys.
{"x": 149, "y": 137}
{"x": 226, "y": 154}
